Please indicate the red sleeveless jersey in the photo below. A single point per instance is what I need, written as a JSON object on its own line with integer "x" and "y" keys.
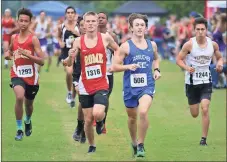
{"x": 93, "y": 67}
{"x": 7, "y": 25}
{"x": 23, "y": 67}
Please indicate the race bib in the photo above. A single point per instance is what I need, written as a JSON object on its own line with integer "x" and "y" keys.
{"x": 93, "y": 72}
{"x": 69, "y": 41}
{"x": 25, "y": 71}
{"x": 201, "y": 74}
{"x": 138, "y": 80}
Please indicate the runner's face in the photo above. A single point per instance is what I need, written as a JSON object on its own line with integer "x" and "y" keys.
{"x": 200, "y": 30}
{"x": 42, "y": 16}
{"x": 7, "y": 13}
{"x": 91, "y": 23}
{"x": 82, "y": 27}
{"x": 102, "y": 19}
{"x": 139, "y": 27}
{"x": 24, "y": 22}
{"x": 70, "y": 14}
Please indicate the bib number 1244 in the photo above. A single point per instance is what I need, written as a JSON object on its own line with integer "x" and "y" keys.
{"x": 202, "y": 75}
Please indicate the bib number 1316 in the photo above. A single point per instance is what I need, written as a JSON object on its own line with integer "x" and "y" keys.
{"x": 93, "y": 72}
{"x": 25, "y": 71}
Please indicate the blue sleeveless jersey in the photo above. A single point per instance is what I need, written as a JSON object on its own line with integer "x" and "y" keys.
{"x": 136, "y": 82}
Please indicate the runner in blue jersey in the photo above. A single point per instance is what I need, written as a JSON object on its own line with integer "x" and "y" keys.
{"x": 136, "y": 58}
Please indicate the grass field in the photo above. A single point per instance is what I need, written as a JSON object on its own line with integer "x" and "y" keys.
{"x": 173, "y": 134}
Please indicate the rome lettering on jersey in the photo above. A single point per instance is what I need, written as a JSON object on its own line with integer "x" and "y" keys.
{"x": 93, "y": 68}
{"x": 23, "y": 67}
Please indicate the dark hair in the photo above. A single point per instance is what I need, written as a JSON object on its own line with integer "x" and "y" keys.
{"x": 104, "y": 14}
{"x": 79, "y": 20}
{"x": 134, "y": 16}
{"x": 24, "y": 11}
{"x": 223, "y": 17}
{"x": 200, "y": 20}
{"x": 70, "y": 7}
{"x": 42, "y": 11}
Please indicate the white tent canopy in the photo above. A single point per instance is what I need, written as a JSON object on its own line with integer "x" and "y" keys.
{"x": 219, "y": 4}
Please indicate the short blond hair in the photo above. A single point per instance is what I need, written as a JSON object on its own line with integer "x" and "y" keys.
{"x": 90, "y": 13}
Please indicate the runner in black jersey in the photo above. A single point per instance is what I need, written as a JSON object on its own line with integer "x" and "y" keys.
{"x": 67, "y": 32}
{"x": 79, "y": 134}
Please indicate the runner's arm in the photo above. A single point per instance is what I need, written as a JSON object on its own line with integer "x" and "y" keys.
{"x": 9, "y": 54}
{"x": 112, "y": 44}
{"x": 114, "y": 36}
{"x": 111, "y": 34}
{"x": 73, "y": 52}
{"x": 156, "y": 57}
{"x": 39, "y": 59}
{"x": 182, "y": 55}
{"x": 59, "y": 37}
{"x": 119, "y": 57}
{"x": 218, "y": 55}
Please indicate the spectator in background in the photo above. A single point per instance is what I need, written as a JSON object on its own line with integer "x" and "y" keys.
{"x": 220, "y": 29}
{"x": 170, "y": 45}
{"x": 182, "y": 32}
{"x": 156, "y": 33}
{"x": 213, "y": 22}
{"x": 219, "y": 36}
{"x": 8, "y": 28}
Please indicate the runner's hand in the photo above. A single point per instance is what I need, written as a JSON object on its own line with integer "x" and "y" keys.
{"x": 72, "y": 52}
{"x": 190, "y": 69}
{"x": 110, "y": 69}
{"x": 156, "y": 75}
{"x": 7, "y": 55}
{"x": 64, "y": 62}
{"x": 21, "y": 51}
{"x": 219, "y": 67}
{"x": 132, "y": 67}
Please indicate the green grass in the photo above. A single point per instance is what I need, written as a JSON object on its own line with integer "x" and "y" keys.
{"x": 173, "y": 134}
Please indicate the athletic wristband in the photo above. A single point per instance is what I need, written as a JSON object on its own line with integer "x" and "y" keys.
{"x": 157, "y": 69}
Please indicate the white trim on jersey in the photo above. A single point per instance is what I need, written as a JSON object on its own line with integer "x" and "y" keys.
{"x": 109, "y": 60}
{"x": 82, "y": 89}
{"x": 14, "y": 67}
{"x": 63, "y": 31}
{"x": 36, "y": 74}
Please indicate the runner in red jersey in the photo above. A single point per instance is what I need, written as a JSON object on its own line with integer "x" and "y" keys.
{"x": 93, "y": 83}
{"x": 8, "y": 28}
{"x": 24, "y": 74}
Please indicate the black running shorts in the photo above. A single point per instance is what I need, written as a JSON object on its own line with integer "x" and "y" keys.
{"x": 196, "y": 93}
{"x": 30, "y": 90}
{"x": 100, "y": 97}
